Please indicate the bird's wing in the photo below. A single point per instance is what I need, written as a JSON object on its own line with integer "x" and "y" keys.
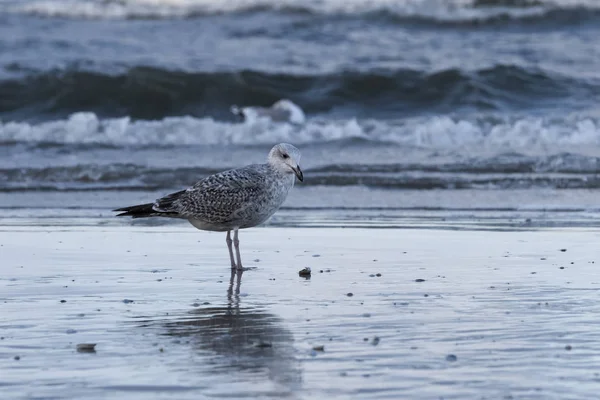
{"x": 217, "y": 198}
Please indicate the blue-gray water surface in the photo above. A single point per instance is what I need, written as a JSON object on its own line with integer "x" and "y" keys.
{"x": 490, "y": 103}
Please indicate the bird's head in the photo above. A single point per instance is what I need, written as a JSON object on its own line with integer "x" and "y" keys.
{"x": 286, "y": 158}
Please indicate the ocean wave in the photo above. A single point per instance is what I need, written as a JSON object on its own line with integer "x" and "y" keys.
{"x": 448, "y": 11}
{"x": 559, "y": 172}
{"x": 490, "y": 134}
{"x": 152, "y": 93}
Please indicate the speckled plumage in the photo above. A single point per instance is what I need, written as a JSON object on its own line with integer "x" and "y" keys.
{"x": 231, "y": 200}
{"x": 238, "y": 198}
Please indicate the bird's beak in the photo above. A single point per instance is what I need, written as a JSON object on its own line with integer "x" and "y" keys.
{"x": 298, "y": 173}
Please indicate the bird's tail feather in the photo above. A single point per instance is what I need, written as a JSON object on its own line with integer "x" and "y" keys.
{"x": 139, "y": 211}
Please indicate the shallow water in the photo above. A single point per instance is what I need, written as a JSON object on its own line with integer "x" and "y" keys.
{"x": 170, "y": 321}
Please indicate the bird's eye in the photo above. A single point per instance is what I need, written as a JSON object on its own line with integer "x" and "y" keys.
{"x": 285, "y": 156}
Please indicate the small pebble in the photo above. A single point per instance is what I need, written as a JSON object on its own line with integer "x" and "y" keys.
{"x": 263, "y": 345}
{"x": 350, "y": 294}
{"x": 71, "y": 331}
{"x": 127, "y": 301}
{"x": 319, "y": 348}
{"x": 63, "y": 301}
{"x": 419, "y": 280}
{"x": 561, "y": 268}
{"x": 86, "y": 347}
{"x": 563, "y": 250}
{"x": 568, "y": 347}
{"x": 305, "y": 272}
{"x": 375, "y": 341}
{"x": 378, "y": 275}
{"x": 451, "y": 358}
{"x": 17, "y": 358}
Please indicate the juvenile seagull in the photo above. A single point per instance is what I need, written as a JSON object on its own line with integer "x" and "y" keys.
{"x": 231, "y": 200}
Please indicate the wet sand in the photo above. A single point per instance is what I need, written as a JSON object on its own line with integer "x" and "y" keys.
{"x": 432, "y": 314}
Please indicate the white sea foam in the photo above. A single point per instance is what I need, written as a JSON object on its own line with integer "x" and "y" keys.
{"x": 522, "y": 134}
{"x": 443, "y": 10}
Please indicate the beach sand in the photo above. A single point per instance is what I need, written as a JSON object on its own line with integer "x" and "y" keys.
{"x": 398, "y": 313}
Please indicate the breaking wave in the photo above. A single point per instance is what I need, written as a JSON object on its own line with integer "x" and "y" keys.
{"x": 421, "y": 11}
{"x": 535, "y": 135}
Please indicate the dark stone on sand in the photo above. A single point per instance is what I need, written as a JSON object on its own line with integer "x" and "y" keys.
{"x": 568, "y": 347}
{"x": 86, "y": 347}
{"x": 419, "y": 280}
{"x": 375, "y": 341}
{"x": 195, "y": 305}
{"x": 563, "y": 250}
{"x": 561, "y": 268}
{"x": 451, "y": 358}
{"x": 263, "y": 345}
{"x": 63, "y": 301}
{"x": 319, "y": 348}
{"x": 305, "y": 272}
{"x": 365, "y": 339}
{"x": 372, "y": 276}
{"x": 127, "y": 301}
{"x": 349, "y": 294}
{"x": 425, "y": 295}
{"x": 316, "y": 255}
{"x": 17, "y": 358}
{"x": 378, "y": 274}
{"x": 70, "y": 331}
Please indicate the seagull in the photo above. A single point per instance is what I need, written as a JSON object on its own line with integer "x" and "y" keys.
{"x": 231, "y": 200}
{"x": 282, "y": 111}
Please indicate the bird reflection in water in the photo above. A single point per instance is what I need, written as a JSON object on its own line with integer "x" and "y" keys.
{"x": 247, "y": 340}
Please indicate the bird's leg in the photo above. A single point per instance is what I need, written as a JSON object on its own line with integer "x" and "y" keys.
{"x": 236, "y": 243}
{"x": 229, "y": 241}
